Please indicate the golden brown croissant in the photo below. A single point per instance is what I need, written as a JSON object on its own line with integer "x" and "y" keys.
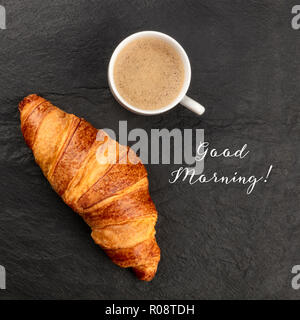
{"x": 112, "y": 198}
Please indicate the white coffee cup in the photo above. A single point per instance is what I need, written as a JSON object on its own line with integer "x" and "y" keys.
{"x": 182, "y": 98}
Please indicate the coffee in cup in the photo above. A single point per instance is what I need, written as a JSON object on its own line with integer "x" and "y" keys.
{"x": 149, "y": 73}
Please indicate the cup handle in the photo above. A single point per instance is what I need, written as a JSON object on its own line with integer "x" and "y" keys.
{"x": 192, "y": 105}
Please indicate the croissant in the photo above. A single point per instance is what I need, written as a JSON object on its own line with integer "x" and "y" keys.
{"x": 111, "y": 196}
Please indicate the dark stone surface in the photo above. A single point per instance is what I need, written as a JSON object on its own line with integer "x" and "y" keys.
{"x": 216, "y": 241}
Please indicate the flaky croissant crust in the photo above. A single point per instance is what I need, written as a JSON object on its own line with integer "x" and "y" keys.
{"x": 112, "y": 198}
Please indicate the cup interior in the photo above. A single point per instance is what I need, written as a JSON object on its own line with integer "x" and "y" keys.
{"x": 174, "y": 44}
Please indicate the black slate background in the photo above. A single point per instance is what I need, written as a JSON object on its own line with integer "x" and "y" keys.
{"x": 216, "y": 242}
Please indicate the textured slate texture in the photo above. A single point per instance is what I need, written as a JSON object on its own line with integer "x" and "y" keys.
{"x": 216, "y": 241}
